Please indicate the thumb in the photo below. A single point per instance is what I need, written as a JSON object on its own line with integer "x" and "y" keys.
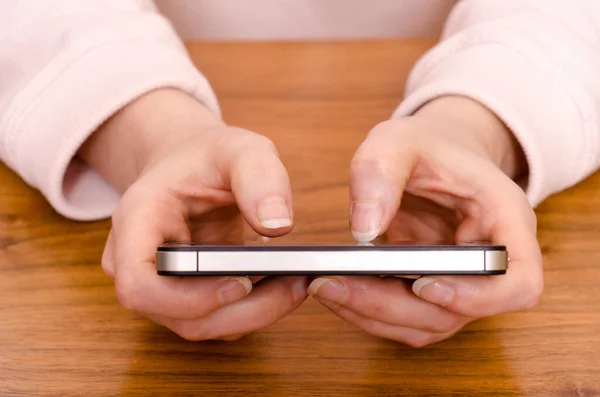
{"x": 379, "y": 172}
{"x": 261, "y": 186}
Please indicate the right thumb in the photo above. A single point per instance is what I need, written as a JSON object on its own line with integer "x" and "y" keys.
{"x": 379, "y": 172}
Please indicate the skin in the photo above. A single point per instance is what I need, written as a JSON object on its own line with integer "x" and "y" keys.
{"x": 186, "y": 176}
{"x": 448, "y": 172}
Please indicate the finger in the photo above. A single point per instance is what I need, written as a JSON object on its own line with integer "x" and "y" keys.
{"x": 410, "y": 336}
{"x": 506, "y": 219}
{"x": 260, "y": 184}
{"x": 145, "y": 220}
{"x": 180, "y": 298}
{"x": 490, "y": 206}
{"x": 270, "y": 301}
{"x": 378, "y": 173}
{"x": 174, "y": 324}
{"x": 108, "y": 260}
{"x": 389, "y": 300}
{"x": 479, "y": 296}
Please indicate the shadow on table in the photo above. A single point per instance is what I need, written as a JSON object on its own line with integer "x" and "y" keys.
{"x": 301, "y": 358}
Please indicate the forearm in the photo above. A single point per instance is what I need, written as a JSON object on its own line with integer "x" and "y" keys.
{"x": 517, "y": 59}
{"x": 120, "y": 149}
{"x": 49, "y": 105}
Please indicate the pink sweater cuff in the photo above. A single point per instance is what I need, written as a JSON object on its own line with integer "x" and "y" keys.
{"x": 58, "y": 111}
{"x": 520, "y": 94}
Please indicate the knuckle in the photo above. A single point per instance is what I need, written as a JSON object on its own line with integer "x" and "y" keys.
{"x": 533, "y": 295}
{"x": 242, "y": 146}
{"x": 383, "y": 154}
{"x": 126, "y": 292}
{"x": 253, "y": 141}
{"x": 397, "y": 129}
{"x": 530, "y": 217}
{"x": 121, "y": 210}
{"x": 269, "y": 315}
{"x": 108, "y": 266}
{"x": 533, "y": 219}
{"x": 191, "y": 331}
{"x": 374, "y": 160}
{"x": 114, "y": 218}
{"x": 378, "y": 309}
{"x": 256, "y": 155}
{"x": 265, "y": 143}
{"x": 384, "y": 128}
{"x": 107, "y": 262}
{"x": 448, "y": 325}
{"x": 420, "y": 340}
{"x": 272, "y": 311}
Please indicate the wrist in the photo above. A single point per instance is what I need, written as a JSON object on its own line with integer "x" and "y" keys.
{"x": 123, "y": 146}
{"x": 475, "y": 126}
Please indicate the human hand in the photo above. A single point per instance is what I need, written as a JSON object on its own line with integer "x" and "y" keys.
{"x": 444, "y": 174}
{"x": 188, "y": 177}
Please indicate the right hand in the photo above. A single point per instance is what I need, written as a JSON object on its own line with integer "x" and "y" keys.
{"x": 446, "y": 173}
{"x": 195, "y": 180}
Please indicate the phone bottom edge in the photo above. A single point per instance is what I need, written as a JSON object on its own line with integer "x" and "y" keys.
{"x": 326, "y": 273}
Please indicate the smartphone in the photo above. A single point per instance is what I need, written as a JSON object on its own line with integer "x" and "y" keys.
{"x": 267, "y": 259}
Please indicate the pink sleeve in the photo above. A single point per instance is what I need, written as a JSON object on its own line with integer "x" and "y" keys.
{"x": 536, "y": 64}
{"x": 69, "y": 65}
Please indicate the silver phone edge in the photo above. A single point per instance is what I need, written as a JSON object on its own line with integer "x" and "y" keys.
{"x": 493, "y": 261}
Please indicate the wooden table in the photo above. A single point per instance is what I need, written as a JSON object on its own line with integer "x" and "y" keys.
{"x": 62, "y": 331}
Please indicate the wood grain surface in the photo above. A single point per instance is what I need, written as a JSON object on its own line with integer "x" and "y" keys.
{"x": 63, "y": 333}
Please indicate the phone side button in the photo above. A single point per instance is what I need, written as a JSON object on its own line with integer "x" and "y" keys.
{"x": 496, "y": 260}
{"x": 172, "y": 261}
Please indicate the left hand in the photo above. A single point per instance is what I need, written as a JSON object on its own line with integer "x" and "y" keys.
{"x": 444, "y": 174}
{"x": 187, "y": 176}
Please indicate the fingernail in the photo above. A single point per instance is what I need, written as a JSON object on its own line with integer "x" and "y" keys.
{"x": 234, "y": 288}
{"x": 366, "y": 218}
{"x": 434, "y": 291}
{"x": 299, "y": 289}
{"x": 273, "y": 213}
{"x": 332, "y": 290}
